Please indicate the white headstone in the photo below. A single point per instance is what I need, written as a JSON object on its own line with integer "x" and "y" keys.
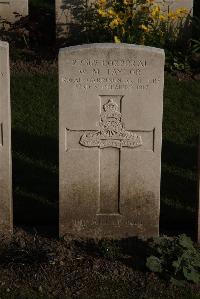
{"x": 5, "y": 143}
{"x": 111, "y": 103}
{"x": 68, "y": 17}
{"x": 8, "y": 8}
{"x": 172, "y": 5}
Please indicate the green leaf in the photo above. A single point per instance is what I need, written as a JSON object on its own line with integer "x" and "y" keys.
{"x": 154, "y": 264}
{"x": 191, "y": 275}
{"x": 176, "y": 282}
{"x": 185, "y": 242}
{"x": 196, "y": 260}
{"x": 177, "y": 257}
{"x": 177, "y": 264}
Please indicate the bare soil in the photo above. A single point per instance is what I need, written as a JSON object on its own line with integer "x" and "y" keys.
{"x": 36, "y": 266}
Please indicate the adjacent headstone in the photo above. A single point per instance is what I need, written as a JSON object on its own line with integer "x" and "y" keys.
{"x": 172, "y": 5}
{"x": 12, "y": 10}
{"x": 69, "y": 18}
{"x": 198, "y": 193}
{"x": 111, "y": 104}
{"x": 5, "y": 143}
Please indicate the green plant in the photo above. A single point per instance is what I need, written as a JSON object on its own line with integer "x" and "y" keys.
{"x": 139, "y": 21}
{"x": 143, "y": 22}
{"x": 195, "y": 46}
{"x": 176, "y": 258}
{"x": 177, "y": 61}
{"x": 15, "y": 33}
{"x": 196, "y": 34}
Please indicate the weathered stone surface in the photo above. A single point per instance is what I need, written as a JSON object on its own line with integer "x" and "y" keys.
{"x": 175, "y": 4}
{"x": 8, "y": 8}
{"x": 69, "y": 16}
{"x": 5, "y": 143}
{"x": 111, "y": 103}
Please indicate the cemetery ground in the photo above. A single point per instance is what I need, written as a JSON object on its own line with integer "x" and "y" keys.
{"x": 36, "y": 264}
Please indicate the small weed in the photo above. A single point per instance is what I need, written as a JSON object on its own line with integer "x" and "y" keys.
{"x": 175, "y": 258}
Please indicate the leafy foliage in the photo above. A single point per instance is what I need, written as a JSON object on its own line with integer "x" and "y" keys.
{"x": 195, "y": 45}
{"x": 176, "y": 258}
{"x": 15, "y": 32}
{"x": 139, "y": 21}
{"x": 196, "y": 30}
{"x": 178, "y": 61}
{"x": 144, "y": 22}
{"x": 153, "y": 263}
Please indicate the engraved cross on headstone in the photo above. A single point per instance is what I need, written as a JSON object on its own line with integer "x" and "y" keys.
{"x": 111, "y": 138}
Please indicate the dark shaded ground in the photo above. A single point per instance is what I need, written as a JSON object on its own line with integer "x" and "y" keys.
{"x": 38, "y": 267}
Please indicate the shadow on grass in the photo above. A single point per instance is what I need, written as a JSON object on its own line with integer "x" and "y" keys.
{"x": 180, "y": 155}
{"x": 35, "y": 179}
{"x": 178, "y": 187}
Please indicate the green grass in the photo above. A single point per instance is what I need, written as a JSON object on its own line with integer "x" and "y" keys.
{"x": 35, "y": 147}
{"x": 35, "y": 150}
{"x": 181, "y": 126}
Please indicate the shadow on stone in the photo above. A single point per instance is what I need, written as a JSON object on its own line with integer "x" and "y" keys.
{"x": 72, "y": 17}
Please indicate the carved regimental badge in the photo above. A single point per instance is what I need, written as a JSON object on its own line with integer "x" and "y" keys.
{"x": 112, "y": 131}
